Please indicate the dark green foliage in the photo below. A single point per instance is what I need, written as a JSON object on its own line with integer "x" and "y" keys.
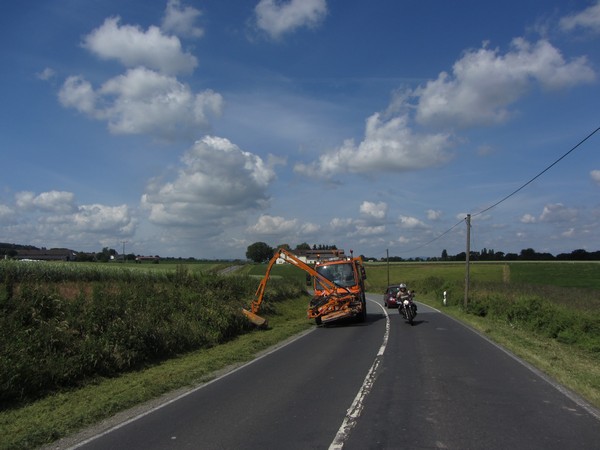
{"x": 567, "y": 314}
{"x": 561, "y": 318}
{"x": 58, "y": 334}
{"x": 259, "y": 252}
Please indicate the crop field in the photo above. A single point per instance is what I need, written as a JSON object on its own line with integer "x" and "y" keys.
{"x": 562, "y": 274}
{"x": 577, "y": 284}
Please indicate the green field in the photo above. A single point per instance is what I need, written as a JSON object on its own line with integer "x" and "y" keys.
{"x": 562, "y": 274}
{"x": 81, "y": 342}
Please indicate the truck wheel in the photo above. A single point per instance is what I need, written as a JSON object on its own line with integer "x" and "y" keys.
{"x": 363, "y": 314}
{"x": 318, "y": 320}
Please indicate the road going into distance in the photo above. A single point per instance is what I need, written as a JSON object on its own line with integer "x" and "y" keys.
{"x": 382, "y": 384}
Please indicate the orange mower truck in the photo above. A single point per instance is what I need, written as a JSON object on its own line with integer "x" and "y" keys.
{"x": 339, "y": 289}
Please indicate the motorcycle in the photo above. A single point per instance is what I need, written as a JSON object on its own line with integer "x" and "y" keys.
{"x": 407, "y": 308}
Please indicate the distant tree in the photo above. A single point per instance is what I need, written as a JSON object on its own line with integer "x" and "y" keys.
{"x": 444, "y": 255}
{"x": 105, "y": 254}
{"x": 528, "y": 254}
{"x": 85, "y": 257}
{"x": 285, "y": 246}
{"x": 259, "y": 252}
{"x": 303, "y": 246}
{"x": 580, "y": 255}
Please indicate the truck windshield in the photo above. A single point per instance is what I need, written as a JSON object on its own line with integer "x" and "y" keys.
{"x": 340, "y": 274}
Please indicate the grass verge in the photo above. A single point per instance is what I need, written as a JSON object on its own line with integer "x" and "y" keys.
{"x": 62, "y": 414}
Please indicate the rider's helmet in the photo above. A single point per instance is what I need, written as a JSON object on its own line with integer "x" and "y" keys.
{"x": 402, "y": 287}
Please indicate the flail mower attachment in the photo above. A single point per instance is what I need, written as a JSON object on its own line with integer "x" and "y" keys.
{"x": 255, "y": 319}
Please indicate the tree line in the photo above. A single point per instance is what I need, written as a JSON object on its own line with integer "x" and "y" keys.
{"x": 527, "y": 254}
{"x": 261, "y": 252}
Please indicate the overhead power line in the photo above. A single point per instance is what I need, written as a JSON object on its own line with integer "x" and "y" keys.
{"x": 509, "y": 195}
{"x": 435, "y": 238}
{"x": 539, "y": 174}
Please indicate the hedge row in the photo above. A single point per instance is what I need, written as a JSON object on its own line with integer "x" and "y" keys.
{"x": 543, "y": 316}
{"x": 569, "y": 315}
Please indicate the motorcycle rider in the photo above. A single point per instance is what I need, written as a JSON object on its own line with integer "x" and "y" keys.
{"x": 403, "y": 294}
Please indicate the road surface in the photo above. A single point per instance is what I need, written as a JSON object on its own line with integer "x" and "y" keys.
{"x": 382, "y": 384}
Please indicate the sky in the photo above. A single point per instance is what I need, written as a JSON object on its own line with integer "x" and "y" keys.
{"x": 194, "y": 128}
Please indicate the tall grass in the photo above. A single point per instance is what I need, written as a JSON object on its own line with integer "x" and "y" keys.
{"x": 63, "y": 324}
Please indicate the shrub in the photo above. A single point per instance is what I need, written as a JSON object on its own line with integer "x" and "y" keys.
{"x": 542, "y": 315}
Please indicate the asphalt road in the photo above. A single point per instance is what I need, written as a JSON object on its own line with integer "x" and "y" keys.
{"x": 383, "y": 385}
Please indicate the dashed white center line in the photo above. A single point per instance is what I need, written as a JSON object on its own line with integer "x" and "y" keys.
{"x": 355, "y": 409}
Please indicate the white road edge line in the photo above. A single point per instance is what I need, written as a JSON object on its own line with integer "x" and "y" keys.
{"x": 355, "y": 409}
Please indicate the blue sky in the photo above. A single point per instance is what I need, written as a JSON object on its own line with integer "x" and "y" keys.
{"x": 193, "y": 128}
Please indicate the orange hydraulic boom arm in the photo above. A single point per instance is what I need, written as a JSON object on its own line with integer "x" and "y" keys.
{"x": 290, "y": 258}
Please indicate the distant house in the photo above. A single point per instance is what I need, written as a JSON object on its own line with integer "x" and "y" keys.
{"x": 314, "y": 256}
{"x": 141, "y": 259}
{"x": 53, "y": 254}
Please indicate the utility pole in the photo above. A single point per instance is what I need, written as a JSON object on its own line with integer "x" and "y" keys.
{"x": 468, "y": 257}
{"x": 123, "y": 242}
{"x": 387, "y": 253}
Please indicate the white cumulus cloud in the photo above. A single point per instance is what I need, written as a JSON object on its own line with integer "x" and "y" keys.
{"x": 338, "y": 223}
{"x": 143, "y": 101}
{"x": 433, "y": 214}
{"x": 389, "y": 145}
{"x": 484, "y": 83}
{"x": 46, "y": 74}
{"x": 47, "y": 216}
{"x": 589, "y": 18}
{"x": 180, "y": 20}
{"x": 557, "y": 212}
{"x": 217, "y": 183}
{"x": 268, "y": 225}
{"x": 78, "y": 93}
{"x": 52, "y": 201}
{"x": 366, "y": 230}
{"x": 277, "y": 227}
{"x": 278, "y": 18}
{"x": 102, "y": 218}
{"x": 375, "y": 210}
{"x": 528, "y": 218}
{"x": 6, "y": 213}
{"x": 132, "y": 47}
{"x": 595, "y": 175}
{"x": 410, "y": 222}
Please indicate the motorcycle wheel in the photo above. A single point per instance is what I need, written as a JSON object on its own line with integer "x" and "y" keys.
{"x": 409, "y": 315}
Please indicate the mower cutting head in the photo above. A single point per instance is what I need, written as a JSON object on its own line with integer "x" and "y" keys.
{"x": 255, "y": 319}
